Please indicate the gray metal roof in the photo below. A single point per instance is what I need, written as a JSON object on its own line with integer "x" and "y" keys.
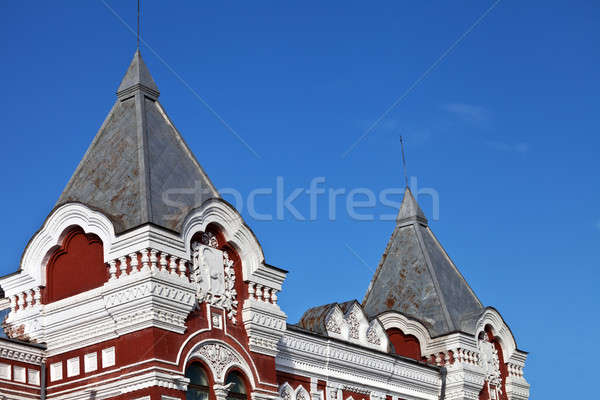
{"x": 138, "y": 168}
{"x": 417, "y": 278}
{"x": 314, "y": 319}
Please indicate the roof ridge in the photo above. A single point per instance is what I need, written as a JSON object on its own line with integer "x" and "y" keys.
{"x": 434, "y": 278}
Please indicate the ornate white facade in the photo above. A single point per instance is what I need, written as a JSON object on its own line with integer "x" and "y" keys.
{"x": 102, "y": 308}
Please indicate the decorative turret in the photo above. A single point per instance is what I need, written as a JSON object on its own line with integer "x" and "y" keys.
{"x": 139, "y": 169}
{"x": 417, "y": 278}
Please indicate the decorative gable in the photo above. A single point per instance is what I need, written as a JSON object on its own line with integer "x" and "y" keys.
{"x": 348, "y": 322}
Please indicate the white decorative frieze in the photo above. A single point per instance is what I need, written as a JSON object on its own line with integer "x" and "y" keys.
{"x": 152, "y": 294}
{"x": 350, "y": 368}
{"x": 17, "y": 352}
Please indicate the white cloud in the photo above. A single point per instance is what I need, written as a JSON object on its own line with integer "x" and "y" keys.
{"x": 468, "y": 112}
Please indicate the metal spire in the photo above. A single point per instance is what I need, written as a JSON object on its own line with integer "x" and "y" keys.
{"x": 404, "y": 162}
{"x": 138, "y": 25}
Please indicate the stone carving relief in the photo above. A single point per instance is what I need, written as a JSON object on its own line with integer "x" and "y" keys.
{"x": 286, "y": 392}
{"x": 489, "y": 361}
{"x": 373, "y": 336}
{"x": 302, "y": 394}
{"x": 212, "y": 272}
{"x": 354, "y": 324}
{"x": 218, "y": 357}
{"x": 332, "y": 325}
{"x": 209, "y": 239}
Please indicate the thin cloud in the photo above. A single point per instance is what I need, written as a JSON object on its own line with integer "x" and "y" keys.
{"x": 468, "y": 112}
{"x": 509, "y": 148}
{"x": 598, "y": 224}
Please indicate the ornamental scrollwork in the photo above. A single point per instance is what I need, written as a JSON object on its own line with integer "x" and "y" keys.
{"x": 209, "y": 239}
{"x": 218, "y": 357}
{"x": 213, "y": 273}
{"x": 286, "y": 393}
{"x": 333, "y": 326}
{"x": 489, "y": 361}
{"x": 354, "y": 325}
{"x": 372, "y": 336}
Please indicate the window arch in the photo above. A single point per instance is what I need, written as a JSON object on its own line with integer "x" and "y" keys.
{"x": 199, "y": 386}
{"x": 238, "y": 389}
{"x": 404, "y": 345}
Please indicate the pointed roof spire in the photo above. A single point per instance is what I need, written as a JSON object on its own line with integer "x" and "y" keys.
{"x": 410, "y": 210}
{"x": 137, "y": 78}
{"x": 138, "y": 169}
{"x": 417, "y": 278}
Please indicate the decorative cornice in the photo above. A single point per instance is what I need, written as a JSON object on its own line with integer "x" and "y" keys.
{"x": 308, "y": 355}
{"x": 265, "y": 325}
{"x": 22, "y": 353}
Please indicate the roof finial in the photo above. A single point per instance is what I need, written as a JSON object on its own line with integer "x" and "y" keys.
{"x": 404, "y": 162}
{"x": 139, "y": 24}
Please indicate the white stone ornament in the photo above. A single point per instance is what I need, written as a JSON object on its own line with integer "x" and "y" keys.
{"x": 219, "y": 358}
{"x": 209, "y": 239}
{"x": 489, "y": 361}
{"x": 212, "y": 272}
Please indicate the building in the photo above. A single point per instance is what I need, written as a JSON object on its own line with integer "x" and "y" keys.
{"x": 122, "y": 295}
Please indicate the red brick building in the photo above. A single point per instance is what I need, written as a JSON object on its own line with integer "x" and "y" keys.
{"x": 135, "y": 288}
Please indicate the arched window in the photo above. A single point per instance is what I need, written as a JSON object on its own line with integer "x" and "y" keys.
{"x": 404, "y": 345}
{"x": 237, "y": 391}
{"x": 198, "y": 388}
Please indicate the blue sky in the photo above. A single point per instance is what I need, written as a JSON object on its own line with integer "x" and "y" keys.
{"x": 504, "y": 129}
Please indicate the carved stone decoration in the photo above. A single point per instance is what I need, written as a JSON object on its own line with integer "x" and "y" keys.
{"x": 286, "y": 392}
{"x": 209, "y": 239}
{"x": 221, "y": 391}
{"x": 489, "y": 361}
{"x": 219, "y": 358}
{"x": 354, "y": 325}
{"x": 302, "y": 394}
{"x": 212, "y": 272}
{"x": 332, "y": 325}
{"x": 229, "y": 301}
{"x": 372, "y": 336}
